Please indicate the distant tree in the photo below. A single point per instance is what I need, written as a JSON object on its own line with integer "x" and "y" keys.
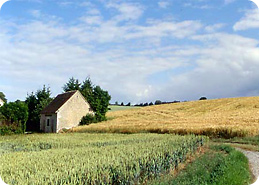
{"x": 158, "y": 102}
{"x": 128, "y": 104}
{"x": 141, "y": 104}
{"x": 150, "y": 104}
{"x": 116, "y": 103}
{"x": 203, "y": 98}
{"x": 145, "y": 104}
{"x": 122, "y": 104}
{"x": 95, "y": 95}
{"x": 176, "y": 101}
{"x": 15, "y": 113}
{"x": 36, "y": 103}
{"x": 2, "y": 96}
{"x": 71, "y": 85}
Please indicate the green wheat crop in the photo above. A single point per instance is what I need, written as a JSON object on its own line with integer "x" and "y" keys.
{"x": 92, "y": 158}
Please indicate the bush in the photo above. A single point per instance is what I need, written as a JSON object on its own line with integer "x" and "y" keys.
{"x": 15, "y": 113}
{"x": 88, "y": 119}
{"x": 10, "y": 129}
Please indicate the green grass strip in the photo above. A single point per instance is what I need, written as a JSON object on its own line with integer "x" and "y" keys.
{"x": 220, "y": 165}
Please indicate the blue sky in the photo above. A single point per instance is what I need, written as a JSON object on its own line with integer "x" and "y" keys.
{"x": 139, "y": 51}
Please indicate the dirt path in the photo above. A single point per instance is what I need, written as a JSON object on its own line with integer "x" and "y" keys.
{"x": 253, "y": 158}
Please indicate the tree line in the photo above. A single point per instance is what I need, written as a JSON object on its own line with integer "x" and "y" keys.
{"x": 157, "y": 102}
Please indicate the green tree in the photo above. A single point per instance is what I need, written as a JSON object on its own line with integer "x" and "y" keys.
{"x": 100, "y": 102}
{"x": 87, "y": 90}
{"x": 95, "y": 95}
{"x": 15, "y": 113}
{"x": 2, "y": 96}
{"x": 36, "y": 103}
{"x": 71, "y": 85}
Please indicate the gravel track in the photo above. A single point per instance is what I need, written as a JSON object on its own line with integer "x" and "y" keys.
{"x": 253, "y": 158}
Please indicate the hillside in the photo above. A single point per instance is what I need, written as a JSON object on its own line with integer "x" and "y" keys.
{"x": 222, "y": 117}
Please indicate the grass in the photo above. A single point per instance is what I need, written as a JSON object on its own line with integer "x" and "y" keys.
{"x": 219, "y": 165}
{"x": 221, "y": 118}
{"x": 81, "y": 158}
{"x": 119, "y": 108}
{"x": 247, "y": 143}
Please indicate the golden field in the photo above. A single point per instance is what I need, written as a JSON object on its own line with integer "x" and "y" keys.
{"x": 228, "y": 117}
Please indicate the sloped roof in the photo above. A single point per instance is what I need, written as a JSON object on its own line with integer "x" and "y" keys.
{"x": 60, "y": 100}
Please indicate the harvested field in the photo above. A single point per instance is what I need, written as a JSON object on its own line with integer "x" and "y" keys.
{"x": 226, "y": 118}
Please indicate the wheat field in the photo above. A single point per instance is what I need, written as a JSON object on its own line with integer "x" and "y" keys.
{"x": 84, "y": 158}
{"x": 228, "y": 117}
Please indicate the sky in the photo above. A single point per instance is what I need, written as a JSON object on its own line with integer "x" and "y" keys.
{"x": 137, "y": 50}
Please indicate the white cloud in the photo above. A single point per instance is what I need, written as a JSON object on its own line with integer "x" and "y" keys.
{"x": 127, "y": 11}
{"x": 92, "y": 20}
{"x": 249, "y": 21}
{"x": 49, "y": 53}
{"x": 36, "y": 13}
{"x": 163, "y": 4}
{"x": 65, "y": 3}
{"x": 229, "y": 1}
{"x": 166, "y": 29}
{"x": 214, "y": 27}
{"x": 87, "y": 4}
{"x": 226, "y": 67}
{"x": 93, "y": 11}
{"x": 34, "y": 1}
{"x": 200, "y": 6}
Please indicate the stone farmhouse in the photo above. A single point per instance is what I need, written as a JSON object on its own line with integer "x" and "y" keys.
{"x": 1, "y": 102}
{"x": 65, "y": 111}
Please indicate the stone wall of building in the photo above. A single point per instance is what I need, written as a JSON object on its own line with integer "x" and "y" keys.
{"x": 71, "y": 113}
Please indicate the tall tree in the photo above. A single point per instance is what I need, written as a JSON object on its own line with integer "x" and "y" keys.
{"x": 36, "y": 103}
{"x": 2, "y": 96}
{"x": 71, "y": 85}
{"x": 87, "y": 89}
